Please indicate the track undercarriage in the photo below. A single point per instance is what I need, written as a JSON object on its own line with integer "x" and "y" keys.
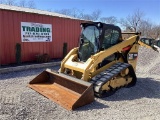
{"x": 109, "y": 81}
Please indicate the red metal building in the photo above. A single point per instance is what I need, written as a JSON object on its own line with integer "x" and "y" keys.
{"x": 64, "y": 29}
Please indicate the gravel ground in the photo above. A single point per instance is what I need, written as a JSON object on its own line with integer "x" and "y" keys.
{"x": 18, "y": 102}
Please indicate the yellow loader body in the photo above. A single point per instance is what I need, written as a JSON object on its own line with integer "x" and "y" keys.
{"x": 101, "y": 74}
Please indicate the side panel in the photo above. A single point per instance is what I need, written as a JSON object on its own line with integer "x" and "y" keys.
{"x": 132, "y": 56}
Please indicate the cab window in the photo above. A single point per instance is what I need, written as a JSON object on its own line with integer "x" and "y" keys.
{"x": 110, "y": 38}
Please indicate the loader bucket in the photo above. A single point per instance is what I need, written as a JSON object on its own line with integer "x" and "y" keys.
{"x": 67, "y": 91}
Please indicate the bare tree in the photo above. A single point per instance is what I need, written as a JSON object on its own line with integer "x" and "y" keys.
{"x": 109, "y": 20}
{"x": 49, "y": 9}
{"x": 76, "y": 13}
{"x": 22, "y": 3}
{"x": 87, "y": 17}
{"x": 80, "y": 14}
{"x": 96, "y": 15}
{"x": 133, "y": 21}
{"x": 146, "y": 28}
{"x": 64, "y": 11}
{"x": 10, "y": 2}
{"x": 31, "y": 4}
{"x": 71, "y": 12}
{"x": 156, "y": 31}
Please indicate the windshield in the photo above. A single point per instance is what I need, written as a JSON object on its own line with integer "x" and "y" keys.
{"x": 88, "y": 42}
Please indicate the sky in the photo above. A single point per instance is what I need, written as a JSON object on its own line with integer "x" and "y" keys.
{"x": 117, "y": 8}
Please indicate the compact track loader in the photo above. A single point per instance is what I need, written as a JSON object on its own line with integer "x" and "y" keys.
{"x": 103, "y": 63}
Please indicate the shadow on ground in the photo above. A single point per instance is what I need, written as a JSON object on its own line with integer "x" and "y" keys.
{"x": 92, "y": 106}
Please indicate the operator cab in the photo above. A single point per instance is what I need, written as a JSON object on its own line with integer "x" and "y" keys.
{"x": 96, "y": 37}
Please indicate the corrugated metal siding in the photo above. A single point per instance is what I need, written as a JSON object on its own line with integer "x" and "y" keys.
{"x": 63, "y": 30}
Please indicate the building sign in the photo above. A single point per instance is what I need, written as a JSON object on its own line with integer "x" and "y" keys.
{"x": 36, "y": 32}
